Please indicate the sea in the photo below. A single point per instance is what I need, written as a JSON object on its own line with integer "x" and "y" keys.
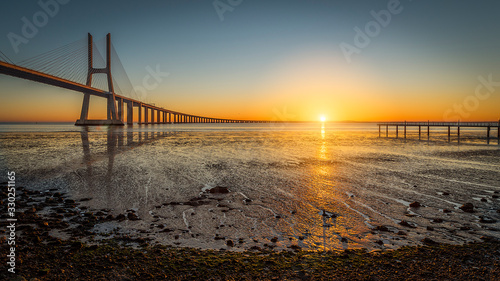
{"x": 317, "y": 186}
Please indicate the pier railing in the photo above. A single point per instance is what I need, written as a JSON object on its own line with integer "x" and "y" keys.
{"x": 487, "y": 125}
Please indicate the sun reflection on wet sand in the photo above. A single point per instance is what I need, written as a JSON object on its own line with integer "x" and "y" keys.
{"x": 319, "y": 189}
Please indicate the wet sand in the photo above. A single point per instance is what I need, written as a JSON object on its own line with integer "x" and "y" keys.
{"x": 312, "y": 190}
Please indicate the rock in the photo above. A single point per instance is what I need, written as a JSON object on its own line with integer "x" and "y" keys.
{"x": 484, "y": 200}
{"x": 494, "y": 196}
{"x": 219, "y": 190}
{"x": 120, "y": 217}
{"x": 344, "y": 240}
{"x": 230, "y": 243}
{"x": 446, "y": 193}
{"x": 274, "y": 239}
{"x": 401, "y": 233}
{"x": 446, "y": 211}
{"x": 380, "y": 242}
{"x": 415, "y": 204}
{"x": 132, "y": 217}
{"x": 438, "y": 220}
{"x": 255, "y": 248}
{"x": 429, "y": 241}
{"x": 486, "y": 220}
{"x": 430, "y": 228}
{"x": 295, "y": 247}
{"x": 247, "y": 201}
{"x": 486, "y": 238}
{"x": 381, "y": 228}
{"x": 405, "y": 223}
{"x": 465, "y": 228}
{"x": 467, "y": 207}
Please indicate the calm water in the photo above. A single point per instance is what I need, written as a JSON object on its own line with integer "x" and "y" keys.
{"x": 313, "y": 185}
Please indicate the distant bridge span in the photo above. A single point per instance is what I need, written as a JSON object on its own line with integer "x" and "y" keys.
{"x": 147, "y": 113}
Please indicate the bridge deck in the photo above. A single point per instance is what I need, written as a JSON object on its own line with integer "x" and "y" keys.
{"x": 167, "y": 116}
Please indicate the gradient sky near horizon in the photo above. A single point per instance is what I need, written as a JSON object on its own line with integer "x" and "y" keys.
{"x": 275, "y": 59}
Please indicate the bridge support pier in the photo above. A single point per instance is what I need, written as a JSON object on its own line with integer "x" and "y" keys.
{"x": 113, "y": 116}
{"x": 130, "y": 113}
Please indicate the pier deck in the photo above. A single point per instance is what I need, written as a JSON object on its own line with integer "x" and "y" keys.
{"x": 486, "y": 125}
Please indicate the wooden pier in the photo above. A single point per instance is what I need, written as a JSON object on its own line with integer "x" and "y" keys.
{"x": 427, "y": 125}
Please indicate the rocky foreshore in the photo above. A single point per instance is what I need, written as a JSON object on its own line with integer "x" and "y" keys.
{"x": 55, "y": 241}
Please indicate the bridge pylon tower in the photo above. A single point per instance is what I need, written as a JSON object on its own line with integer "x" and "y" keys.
{"x": 113, "y": 118}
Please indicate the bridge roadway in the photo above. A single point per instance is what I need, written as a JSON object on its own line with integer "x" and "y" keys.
{"x": 162, "y": 115}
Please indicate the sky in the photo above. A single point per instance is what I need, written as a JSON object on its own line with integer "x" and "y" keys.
{"x": 293, "y": 60}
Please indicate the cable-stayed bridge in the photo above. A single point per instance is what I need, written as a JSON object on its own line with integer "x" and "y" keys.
{"x": 74, "y": 67}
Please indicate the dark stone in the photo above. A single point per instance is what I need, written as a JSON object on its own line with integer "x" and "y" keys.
{"x": 430, "y": 228}
{"x": 494, "y": 196}
{"x": 486, "y": 220}
{"x": 381, "y": 228}
{"x": 230, "y": 243}
{"x": 219, "y": 190}
{"x": 121, "y": 217}
{"x": 429, "y": 241}
{"x": 274, "y": 239}
{"x": 446, "y": 193}
{"x": 415, "y": 204}
{"x": 467, "y": 207}
{"x": 405, "y": 223}
{"x": 437, "y": 220}
{"x": 484, "y": 200}
{"x": 132, "y": 217}
{"x": 446, "y": 211}
{"x": 247, "y": 201}
{"x": 380, "y": 242}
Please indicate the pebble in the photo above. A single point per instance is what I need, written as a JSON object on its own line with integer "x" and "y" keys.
{"x": 486, "y": 220}
{"x": 415, "y": 204}
{"x": 467, "y": 207}
{"x": 405, "y": 223}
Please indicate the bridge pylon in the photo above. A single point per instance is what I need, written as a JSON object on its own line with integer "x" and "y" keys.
{"x": 113, "y": 118}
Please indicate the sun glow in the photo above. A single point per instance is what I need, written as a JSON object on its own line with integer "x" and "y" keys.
{"x": 322, "y": 118}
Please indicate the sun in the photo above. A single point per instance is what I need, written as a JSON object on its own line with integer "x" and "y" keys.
{"x": 322, "y": 118}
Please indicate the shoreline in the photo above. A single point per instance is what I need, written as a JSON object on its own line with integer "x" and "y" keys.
{"x": 43, "y": 254}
